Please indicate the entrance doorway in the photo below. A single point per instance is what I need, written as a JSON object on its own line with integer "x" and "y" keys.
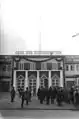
{"x": 44, "y": 81}
{"x": 55, "y": 80}
{"x": 20, "y": 82}
{"x": 32, "y": 84}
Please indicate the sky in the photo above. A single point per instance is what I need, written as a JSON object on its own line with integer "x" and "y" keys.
{"x": 27, "y": 23}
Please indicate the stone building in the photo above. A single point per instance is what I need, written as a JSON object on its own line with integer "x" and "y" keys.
{"x": 34, "y": 71}
{"x": 71, "y": 70}
{"x": 5, "y": 72}
{"x": 38, "y": 70}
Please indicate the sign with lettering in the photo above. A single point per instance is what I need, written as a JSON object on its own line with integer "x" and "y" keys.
{"x": 38, "y": 52}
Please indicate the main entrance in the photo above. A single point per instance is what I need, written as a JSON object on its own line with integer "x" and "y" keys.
{"x": 32, "y": 81}
{"x": 55, "y": 78}
{"x": 32, "y": 85}
{"x": 20, "y": 82}
{"x": 44, "y": 81}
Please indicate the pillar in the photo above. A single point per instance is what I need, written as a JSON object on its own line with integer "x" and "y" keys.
{"x": 61, "y": 79}
{"x": 14, "y": 79}
{"x": 38, "y": 81}
{"x": 50, "y": 82}
{"x": 77, "y": 81}
{"x": 26, "y": 79}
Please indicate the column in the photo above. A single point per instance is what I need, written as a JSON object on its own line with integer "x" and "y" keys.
{"x": 14, "y": 79}
{"x": 77, "y": 83}
{"x": 38, "y": 81}
{"x": 26, "y": 79}
{"x": 50, "y": 82}
{"x": 61, "y": 78}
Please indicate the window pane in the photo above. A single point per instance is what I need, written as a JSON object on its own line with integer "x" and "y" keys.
{"x": 72, "y": 67}
{"x": 49, "y": 66}
{"x": 77, "y": 67}
{"x": 55, "y": 66}
{"x": 67, "y": 67}
{"x": 38, "y": 66}
{"x": 26, "y": 66}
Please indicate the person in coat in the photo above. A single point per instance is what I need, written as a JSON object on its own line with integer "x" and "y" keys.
{"x": 38, "y": 93}
{"x": 59, "y": 96}
{"x": 76, "y": 97}
{"x": 47, "y": 96}
{"x": 25, "y": 97}
{"x": 41, "y": 95}
{"x": 12, "y": 94}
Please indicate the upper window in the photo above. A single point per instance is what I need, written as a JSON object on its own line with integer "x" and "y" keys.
{"x": 26, "y": 66}
{"x": 43, "y": 66}
{"x": 38, "y": 66}
{"x": 71, "y": 67}
{"x": 20, "y": 66}
{"x": 77, "y": 67}
{"x": 67, "y": 67}
{"x": 55, "y": 66}
{"x": 49, "y": 66}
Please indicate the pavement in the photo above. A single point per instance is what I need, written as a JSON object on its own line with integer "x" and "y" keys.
{"x": 5, "y": 104}
{"x": 39, "y": 114}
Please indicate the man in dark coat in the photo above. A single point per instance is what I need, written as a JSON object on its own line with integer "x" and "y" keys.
{"x": 25, "y": 96}
{"x": 50, "y": 93}
{"x": 71, "y": 92}
{"x": 59, "y": 96}
{"x": 12, "y": 94}
{"x": 20, "y": 91}
{"x": 41, "y": 95}
{"x": 54, "y": 93}
{"x": 30, "y": 95}
{"x": 38, "y": 93}
{"x": 76, "y": 97}
{"x": 47, "y": 96}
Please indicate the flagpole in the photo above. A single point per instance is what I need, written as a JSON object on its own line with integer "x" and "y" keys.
{"x": 40, "y": 36}
{"x": 40, "y": 42}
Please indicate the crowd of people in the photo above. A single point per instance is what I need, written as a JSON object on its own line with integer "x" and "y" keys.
{"x": 58, "y": 95}
{"x": 24, "y": 95}
{"x": 50, "y": 95}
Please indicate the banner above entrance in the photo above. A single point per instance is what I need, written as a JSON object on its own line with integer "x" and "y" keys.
{"x": 38, "y": 53}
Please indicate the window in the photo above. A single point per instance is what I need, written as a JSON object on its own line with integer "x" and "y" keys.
{"x": 49, "y": 66}
{"x": 26, "y": 66}
{"x": 32, "y": 66}
{"x": 43, "y": 66}
{"x": 20, "y": 66}
{"x": 55, "y": 66}
{"x": 59, "y": 66}
{"x": 38, "y": 66}
{"x": 77, "y": 67}
{"x": 55, "y": 82}
{"x": 72, "y": 67}
{"x": 67, "y": 67}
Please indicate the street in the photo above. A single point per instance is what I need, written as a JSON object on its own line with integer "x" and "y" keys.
{"x": 35, "y": 114}
{"x": 34, "y": 109}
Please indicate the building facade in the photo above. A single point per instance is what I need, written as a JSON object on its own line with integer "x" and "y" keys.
{"x": 38, "y": 70}
{"x": 71, "y": 70}
{"x": 5, "y": 72}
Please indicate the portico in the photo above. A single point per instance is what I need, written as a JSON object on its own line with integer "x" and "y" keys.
{"x": 34, "y": 79}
